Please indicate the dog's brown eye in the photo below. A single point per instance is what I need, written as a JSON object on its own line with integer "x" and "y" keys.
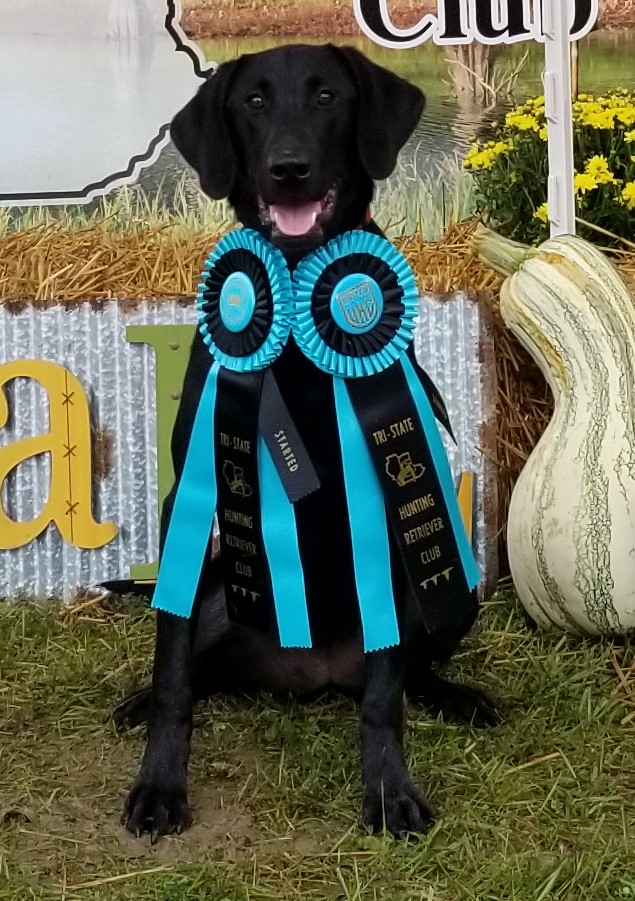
{"x": 255, "y": 101}
{"x": 326, "y": 98}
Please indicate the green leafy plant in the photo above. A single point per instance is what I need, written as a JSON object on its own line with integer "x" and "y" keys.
{"x": 511, "y": 170}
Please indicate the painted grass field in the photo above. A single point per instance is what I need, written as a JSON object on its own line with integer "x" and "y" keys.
{"x": 540, "y": 808}
{"x": 409, "y": 202}
{"x": 240, "y": 18}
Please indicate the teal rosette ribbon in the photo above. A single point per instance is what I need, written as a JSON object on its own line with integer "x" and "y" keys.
{"x": 351, "y": 307}
{"x": 244, "y": 302}
{"x": 356, "y": 303}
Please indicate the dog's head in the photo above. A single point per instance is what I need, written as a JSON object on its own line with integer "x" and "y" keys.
{"x": 295, "y": 137}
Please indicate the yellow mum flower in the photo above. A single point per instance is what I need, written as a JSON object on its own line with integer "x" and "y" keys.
{"x": 598, "y": 168}
{"x": 521, "y": 121}
{"x": 605, "y": 112}
{"x": 626, "y": 115}
{"x": 544, "y": 133}
{"x": 488, "y": 158}
{"x": 584, "y": 182}
{"x": 628, "y": 195}
{"x": 542, "y": 213}
{"x": 629, "y": 136}
{"x": 483, "y": 157}
{"x": 599, "y": 119}
{"x": 537, "y": 105}
{"x": 474, "y": 159}
{"x": 471, "y": 155}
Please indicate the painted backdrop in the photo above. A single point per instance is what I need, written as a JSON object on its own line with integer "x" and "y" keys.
{"x": 88, "y": 90}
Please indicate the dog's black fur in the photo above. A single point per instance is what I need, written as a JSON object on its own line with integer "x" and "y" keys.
{"x": 285, "y": 126}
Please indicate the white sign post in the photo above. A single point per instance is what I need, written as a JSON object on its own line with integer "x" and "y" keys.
{"x": 559, "y": 113}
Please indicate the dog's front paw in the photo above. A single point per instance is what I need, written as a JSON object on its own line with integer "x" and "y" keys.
{"x": 398, "y": 808}
{"x": 157, "y": 807}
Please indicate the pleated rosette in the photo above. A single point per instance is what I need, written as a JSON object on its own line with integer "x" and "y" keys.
{"x": 244, "y": 302}
{"x": 355, "y": 305}
{"x": 351, "y": 306}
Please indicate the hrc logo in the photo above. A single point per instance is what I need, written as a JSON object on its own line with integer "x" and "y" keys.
{"x": 358, "y": 305}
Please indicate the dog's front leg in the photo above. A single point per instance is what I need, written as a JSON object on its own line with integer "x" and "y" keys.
{"x": 391, "y": 801}
{"x": 157, "y": 802}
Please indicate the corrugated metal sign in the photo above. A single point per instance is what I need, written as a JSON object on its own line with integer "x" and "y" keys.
{"x": 118, "y": 378}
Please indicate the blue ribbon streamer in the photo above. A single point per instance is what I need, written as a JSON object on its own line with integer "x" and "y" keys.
{"x": 369, "y": 529}
{"x": 280, "y": 536}
{"x": 442, "y": 466}
{"x": 193, "y": 513}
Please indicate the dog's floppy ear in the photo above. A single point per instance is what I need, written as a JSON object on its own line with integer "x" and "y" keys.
{"x": 201, "y": 135}
{"x": 389, "y": 110}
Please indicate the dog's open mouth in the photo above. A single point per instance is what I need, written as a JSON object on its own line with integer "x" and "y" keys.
{"x": 301, "y": 219}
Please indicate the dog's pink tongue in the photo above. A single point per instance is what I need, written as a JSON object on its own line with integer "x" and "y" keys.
{"x": 295, "y": 220}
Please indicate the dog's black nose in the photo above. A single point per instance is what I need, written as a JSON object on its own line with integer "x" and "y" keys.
{"x": 289, "y": 169}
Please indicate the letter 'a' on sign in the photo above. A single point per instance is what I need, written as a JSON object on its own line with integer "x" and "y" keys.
{"x": 68, "y": 443}
{"x": 88, "y": 89}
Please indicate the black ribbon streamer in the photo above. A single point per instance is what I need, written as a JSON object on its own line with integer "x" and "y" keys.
{"x": 414, "y": 499}
{"x": 246, "y": 574}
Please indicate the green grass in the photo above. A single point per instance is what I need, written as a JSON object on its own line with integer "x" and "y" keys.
{"x": 540, "y": 808}
{"x": 415, "y": 202}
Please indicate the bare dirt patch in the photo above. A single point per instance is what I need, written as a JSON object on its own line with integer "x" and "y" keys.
{"x": 76, "y": 829}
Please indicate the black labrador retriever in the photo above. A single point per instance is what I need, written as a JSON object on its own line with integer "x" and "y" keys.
{"x": 295, "y": 138}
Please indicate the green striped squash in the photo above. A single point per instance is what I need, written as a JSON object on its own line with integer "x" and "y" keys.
{"x": 571, "y": 525}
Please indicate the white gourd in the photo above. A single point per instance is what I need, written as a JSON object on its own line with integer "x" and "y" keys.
{"x": 571, "y": 524}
